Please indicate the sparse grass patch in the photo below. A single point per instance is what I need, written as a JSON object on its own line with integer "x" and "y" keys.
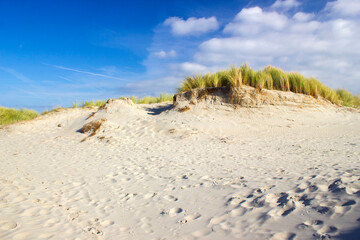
{"x": 271, "y": 78}
{"x": 56, "y": 109}
{"x": 11, "y": 115}
{"x": 149, "y": 100}
{"x": 97, "y": 103}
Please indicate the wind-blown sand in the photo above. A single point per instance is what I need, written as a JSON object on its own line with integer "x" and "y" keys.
{"x": 212, "y": 172}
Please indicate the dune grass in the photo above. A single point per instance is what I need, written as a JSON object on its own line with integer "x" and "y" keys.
{"x": 149, "y": 100}
{"x": 96, "y": 103}
{"x": 271, "y": 78}
{"x": 11, "y": 115}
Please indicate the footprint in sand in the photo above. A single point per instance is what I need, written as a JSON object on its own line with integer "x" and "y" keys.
{"x": 315, "y": 224}
{"x": 189, "y": 218}
{"x": 172, "y": 212}
{"x": 283, "y": 236}
{"x": 335, "y": 187}
{"x": 7, "y": 225}
{"x": 175, "y": 211}
{"x": 94, "y": 227}
{"x": 327, "y": 229}
{"x": 171, "y": 198}
{"x": 238, "y": 212}
{"x": 149, "y": 195}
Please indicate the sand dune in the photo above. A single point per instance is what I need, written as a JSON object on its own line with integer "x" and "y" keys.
{"x": 211, "y": 172}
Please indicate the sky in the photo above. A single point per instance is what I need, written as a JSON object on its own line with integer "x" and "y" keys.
{"x": 55, "y": 53}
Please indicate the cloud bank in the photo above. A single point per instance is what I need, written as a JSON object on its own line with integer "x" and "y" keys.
{"x": 321, "y": 44}
{"x": 191, "y": 26}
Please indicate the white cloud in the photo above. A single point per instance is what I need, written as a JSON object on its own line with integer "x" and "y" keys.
{"x": 186, "y": 68}
{"x": 163, "y": 54}
{"x": 317, "y": 44}
{"x": 285, "y": 4}
{"x": 191, "y": 26}
{"x": 254, "y": 20}
{"x": 324, "y": 49}
{"x": 344, "y": 7}
{"x": 303, "y": 17}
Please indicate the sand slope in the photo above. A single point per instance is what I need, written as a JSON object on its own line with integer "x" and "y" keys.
{"x": 212, "y": 172}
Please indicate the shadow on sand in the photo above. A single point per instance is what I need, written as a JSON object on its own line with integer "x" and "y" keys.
{"x": 160, "y": 109}
{"x": 353, "y": 234}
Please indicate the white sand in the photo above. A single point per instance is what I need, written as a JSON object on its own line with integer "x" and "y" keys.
{"x": 213, "y": 172}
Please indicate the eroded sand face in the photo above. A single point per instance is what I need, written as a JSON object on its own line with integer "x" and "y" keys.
{"x": 212, "y": 172}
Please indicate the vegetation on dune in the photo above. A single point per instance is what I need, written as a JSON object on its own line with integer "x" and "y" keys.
{"x": 136, "y": 100}
{"x": 149, "y": 100}
{"x": 97, "y": 103}
{"x": 11, "y": 115}
{"x": 56, "y": 109}
{"x": 271, "y": 78}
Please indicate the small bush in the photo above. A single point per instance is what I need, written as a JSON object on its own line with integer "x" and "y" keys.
{"x": 11, "y": 115}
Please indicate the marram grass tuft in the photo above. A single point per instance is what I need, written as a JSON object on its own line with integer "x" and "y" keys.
{"x": 271, "y": 78}
{"x": 11, "y": 115}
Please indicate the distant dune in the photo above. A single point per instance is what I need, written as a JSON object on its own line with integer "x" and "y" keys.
{"x": 218, "y": 163}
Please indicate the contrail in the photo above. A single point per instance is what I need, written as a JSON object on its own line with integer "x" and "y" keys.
{"x": 85, "y": 72}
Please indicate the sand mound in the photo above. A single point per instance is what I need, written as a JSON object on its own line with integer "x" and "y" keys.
{"x": 270, "y": 170}
{"x": 246, "y": 96}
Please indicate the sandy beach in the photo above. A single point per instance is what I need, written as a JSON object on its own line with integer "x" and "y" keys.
{"x": 281, "y": 171}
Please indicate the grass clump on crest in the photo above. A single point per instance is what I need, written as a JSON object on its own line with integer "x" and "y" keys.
{"x": 164, "y": 97}
{"x": 96, "y": 103}
{"x": 11, "y": 115}
{"x": 271, "y": 78}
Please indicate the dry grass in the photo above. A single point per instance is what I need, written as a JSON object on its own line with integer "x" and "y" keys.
{"x": 271, "y": 78}
{"x": 92, "y": 127}
{"x": 11, "y": 115}
{"x": 184, "y": 109}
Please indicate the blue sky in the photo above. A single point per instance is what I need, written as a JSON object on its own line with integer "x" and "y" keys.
{"x": 57, "y": 52}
